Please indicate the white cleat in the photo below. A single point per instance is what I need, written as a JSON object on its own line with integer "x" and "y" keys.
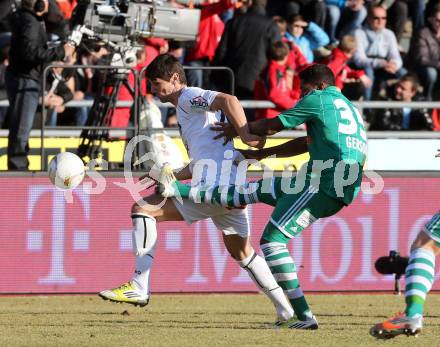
{"x": 165, "y": 182}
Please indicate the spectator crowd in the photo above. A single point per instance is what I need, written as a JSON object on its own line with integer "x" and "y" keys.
{"x": 377, "y": 49}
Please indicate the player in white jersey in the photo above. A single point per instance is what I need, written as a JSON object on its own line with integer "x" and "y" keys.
{"x": 197, "y": 110}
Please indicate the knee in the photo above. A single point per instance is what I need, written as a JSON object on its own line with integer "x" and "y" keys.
{"x": 431, "y": 74}
{"x": 361, "y": 14}
{"x": 369, "y": 72}
{"x": 263, "y": 241}
{"x": 241, "y": 253}
{"x": 135, "y": 208}
{"x": 333, "y": 13}
{"x": 140, "y": 208}
{"x": 269, "y": 248}
{"x": 425, "y": 241}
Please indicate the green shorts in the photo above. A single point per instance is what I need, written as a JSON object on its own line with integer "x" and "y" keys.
{"x": 432, "y": 228}
{"x": 294, "y": 210}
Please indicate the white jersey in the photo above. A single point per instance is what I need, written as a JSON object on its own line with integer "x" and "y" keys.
{"x": 195, "y": 119}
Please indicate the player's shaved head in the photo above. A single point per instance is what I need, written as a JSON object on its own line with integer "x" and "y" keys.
{"x": 317, "y": 75}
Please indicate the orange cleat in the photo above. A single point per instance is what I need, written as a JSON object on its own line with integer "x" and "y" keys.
{"x": 398, "y": 325}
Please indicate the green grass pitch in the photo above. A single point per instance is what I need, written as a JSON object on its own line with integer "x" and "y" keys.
{"x": 201, "y": 320}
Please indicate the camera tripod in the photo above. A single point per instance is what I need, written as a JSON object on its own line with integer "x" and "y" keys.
{"x": 102, "y": 112}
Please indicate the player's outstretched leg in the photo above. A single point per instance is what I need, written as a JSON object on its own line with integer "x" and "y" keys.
{"x": 229, "y": 196}
{"x": 282, "y": 266}
{"x": 136, "y": 291}
{"x": 419, "y": 277}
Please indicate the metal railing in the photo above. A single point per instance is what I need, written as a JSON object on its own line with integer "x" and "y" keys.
{"x": 268, "y": 104}
{"x": 139, "y": 77}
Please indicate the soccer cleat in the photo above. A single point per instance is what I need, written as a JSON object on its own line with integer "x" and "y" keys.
{"x": 165, "y": 182}
{"x": 398, "y": 325}
{"x": 293, "y": 323}
{"x": 128, "y": 293}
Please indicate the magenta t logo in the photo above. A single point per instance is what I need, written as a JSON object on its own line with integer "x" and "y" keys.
{"x": 57, "y": 274}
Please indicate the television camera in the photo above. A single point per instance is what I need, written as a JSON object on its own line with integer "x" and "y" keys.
{"x": 119, "y": 25}
{"x": 123, "y": 19}
{"x": 393, "y": 264}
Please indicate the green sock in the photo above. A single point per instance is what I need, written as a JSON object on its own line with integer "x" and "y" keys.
{"x": 183, "y": 189}
{"x": 419, "y": 277}
{"x": 229, "y": 196}
{"x": 283, "y": 269}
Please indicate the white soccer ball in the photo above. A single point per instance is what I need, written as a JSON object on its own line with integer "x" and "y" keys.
{"x": 66, "y": 170}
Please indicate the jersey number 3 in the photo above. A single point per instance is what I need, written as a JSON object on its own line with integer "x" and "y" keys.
{"x": 354, "y": 124}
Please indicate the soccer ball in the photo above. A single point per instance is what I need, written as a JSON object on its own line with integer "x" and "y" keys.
{"x": 66, "y": 170}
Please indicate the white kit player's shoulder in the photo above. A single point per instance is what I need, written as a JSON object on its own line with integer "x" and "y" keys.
{"x": 196, "y": 100}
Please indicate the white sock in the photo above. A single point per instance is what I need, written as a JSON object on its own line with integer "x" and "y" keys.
{"x": 144, "y": 227}
{"x": 141, "y": 275}
{"x": 260, "y": 273}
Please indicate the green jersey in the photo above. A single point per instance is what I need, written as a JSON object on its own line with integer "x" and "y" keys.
{"x": 336, "y": 134}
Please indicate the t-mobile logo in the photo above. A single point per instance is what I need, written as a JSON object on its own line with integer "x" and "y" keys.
{"x": 57, "y": 274}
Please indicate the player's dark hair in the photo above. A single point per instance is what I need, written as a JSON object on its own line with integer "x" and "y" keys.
{"x": 164, "y": 66}
{"x": 316, "y": 74}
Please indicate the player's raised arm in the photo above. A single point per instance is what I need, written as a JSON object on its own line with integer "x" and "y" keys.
{"x": 265, "y": 127}
{"x": 233, "y": 110}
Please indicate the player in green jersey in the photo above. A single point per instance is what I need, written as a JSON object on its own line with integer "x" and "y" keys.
{"x": 419, "y": 277}
{"x": 337, "y": 143}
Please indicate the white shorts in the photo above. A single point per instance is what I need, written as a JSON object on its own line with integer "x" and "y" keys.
{"x": 230, "y": 222}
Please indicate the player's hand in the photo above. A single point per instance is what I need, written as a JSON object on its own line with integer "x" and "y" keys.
{"x": 254, "y": 140}
{"x": 225, "y": 130}
{"x": 391, "y": 67}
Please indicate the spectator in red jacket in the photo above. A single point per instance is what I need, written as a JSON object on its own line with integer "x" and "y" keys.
{"x": 295, "y": 60}
{"x": 66, "y": 7}
{"x": 211, "y": 28}
{"x": 277, "y": 83}
{"x": 351, "y": 82}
